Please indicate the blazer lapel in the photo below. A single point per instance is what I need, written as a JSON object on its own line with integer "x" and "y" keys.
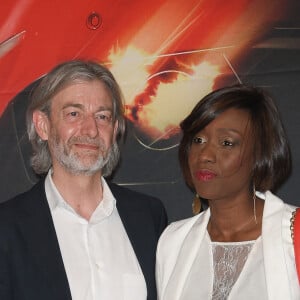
{"x": 185, "y": 261}
{"x": 139, "y": 227}
{"x": 274, "y": 232}
{"x": 39, "y": 234}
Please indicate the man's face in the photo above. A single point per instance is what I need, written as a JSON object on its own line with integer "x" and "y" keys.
{"x": 80, "y": 130}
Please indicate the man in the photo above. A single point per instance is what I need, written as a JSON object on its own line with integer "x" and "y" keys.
{"x": 73, "y": 235}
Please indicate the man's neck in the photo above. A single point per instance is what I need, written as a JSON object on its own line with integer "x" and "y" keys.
{"x": 82, "y": 192}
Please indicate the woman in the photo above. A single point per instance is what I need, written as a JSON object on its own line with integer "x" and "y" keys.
{"x": 233, "y": 152}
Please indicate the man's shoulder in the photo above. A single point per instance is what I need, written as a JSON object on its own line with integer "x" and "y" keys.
{"x": 130, "y": 200}
{"x": 183, "y": 227}
{"x": 23, "y": 200}
{"x": 124, "y": 194}
{"x": 138, "y": 208}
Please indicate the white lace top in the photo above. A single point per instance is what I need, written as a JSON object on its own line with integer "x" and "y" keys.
{"x": 228, "y": 262}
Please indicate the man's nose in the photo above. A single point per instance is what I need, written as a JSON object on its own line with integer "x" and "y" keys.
{"x": 89, "y": 126}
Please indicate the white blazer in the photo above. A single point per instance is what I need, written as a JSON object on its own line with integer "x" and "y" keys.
{"x": 269, "y": 272}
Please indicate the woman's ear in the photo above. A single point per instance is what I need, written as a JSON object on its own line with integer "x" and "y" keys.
{"x": 41, "y": 124}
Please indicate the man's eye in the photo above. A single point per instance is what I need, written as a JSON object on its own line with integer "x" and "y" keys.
{"x": 103, "y": 118}
{"x": 72, "y": 114}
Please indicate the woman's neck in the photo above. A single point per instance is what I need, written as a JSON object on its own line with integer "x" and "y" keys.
{"x": 235, "y": 222}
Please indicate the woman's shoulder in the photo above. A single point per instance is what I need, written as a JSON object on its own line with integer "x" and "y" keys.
{"x": 182, "y": 224}
{"x": 174, "y": 239}
{"x": 176, "y": 231}
{"x": 275, "y": 202}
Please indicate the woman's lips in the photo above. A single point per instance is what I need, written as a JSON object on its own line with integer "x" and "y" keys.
{"x": 205, "y": 175}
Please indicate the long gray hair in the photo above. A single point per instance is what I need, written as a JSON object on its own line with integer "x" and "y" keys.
{"x": 57, "y": 79}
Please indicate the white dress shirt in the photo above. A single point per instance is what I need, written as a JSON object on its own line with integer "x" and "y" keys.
{"x": 99, "y": 260}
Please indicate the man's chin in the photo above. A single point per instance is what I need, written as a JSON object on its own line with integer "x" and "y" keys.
{"x": 78, "y": 166}
{"x": 84, "y": 170}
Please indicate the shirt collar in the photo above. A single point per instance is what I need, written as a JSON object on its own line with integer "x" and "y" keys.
{"x": 55, "y": 200}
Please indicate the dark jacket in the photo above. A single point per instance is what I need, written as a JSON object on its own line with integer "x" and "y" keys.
{"x": 31, "y": 265}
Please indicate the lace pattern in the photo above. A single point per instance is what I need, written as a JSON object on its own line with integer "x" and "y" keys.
{"x": 228, "y": 262}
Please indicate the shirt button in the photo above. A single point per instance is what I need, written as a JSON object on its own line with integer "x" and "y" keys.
{"x": 98, "y": 266}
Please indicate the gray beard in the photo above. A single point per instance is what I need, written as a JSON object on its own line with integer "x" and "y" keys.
{"x": 75, "y": 166}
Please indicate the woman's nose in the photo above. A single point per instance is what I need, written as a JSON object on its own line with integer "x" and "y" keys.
{"x": 207, "y": 153}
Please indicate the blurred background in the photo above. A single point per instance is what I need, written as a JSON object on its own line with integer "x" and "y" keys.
{"x": 166, "y": 55}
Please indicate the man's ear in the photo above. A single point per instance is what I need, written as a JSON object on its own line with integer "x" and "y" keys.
{"x": 41, "y": 124}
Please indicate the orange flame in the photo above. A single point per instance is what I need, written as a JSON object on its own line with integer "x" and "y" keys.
{"x": 156, "y": 103}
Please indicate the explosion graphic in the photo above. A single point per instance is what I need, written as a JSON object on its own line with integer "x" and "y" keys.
{"x": 156, "y": 103}
{"x": 166, "y": 55}
{"x": 162, "y": 84}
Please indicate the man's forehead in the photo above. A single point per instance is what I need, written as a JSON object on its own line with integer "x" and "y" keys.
{"x": 77, "y": 94}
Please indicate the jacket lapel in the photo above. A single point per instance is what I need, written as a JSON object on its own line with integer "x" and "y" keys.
{"x": 42, "y": 246}
{"x": 185, "y": 262}
{"x": 139, "y": 227}
{"x": 276, "y": 234}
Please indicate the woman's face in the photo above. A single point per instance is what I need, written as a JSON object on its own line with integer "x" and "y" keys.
{"x": 221, "y": 156}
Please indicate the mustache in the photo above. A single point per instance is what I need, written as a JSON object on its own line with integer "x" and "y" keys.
{"x": 86, "y": 140}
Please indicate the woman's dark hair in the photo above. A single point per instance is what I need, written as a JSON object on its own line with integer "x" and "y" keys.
{"x": 272, "y": 156}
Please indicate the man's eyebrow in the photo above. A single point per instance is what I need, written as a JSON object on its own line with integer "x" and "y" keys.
{"x": 81, "y": 106}
{"x": 77, "y": 105}
{"x": 103, "y": 108}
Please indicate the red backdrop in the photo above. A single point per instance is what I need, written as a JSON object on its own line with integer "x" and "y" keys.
{"x": 165, "y": 54}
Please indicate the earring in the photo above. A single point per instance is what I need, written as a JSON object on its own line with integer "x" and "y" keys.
{"x": 254, "y": 203}
{"x": 196, "y": 206}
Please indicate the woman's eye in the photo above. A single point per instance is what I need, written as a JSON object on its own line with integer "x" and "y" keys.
{"x": 227, "y": 143}
{"x": 198, "y": 140}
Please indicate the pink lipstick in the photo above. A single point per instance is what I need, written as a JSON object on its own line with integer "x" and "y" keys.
{"x": 205, "y": 175}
